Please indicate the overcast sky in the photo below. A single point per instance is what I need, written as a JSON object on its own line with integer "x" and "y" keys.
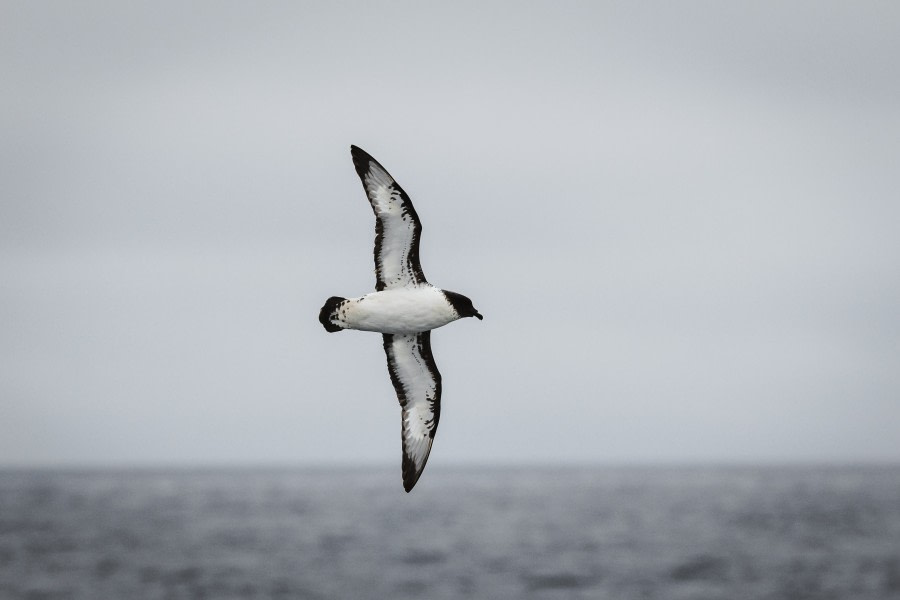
{"x": 681, "y": 222}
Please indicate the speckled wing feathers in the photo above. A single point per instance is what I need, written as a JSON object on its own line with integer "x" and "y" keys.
{"x": 418, "y": 385}
{"x": 397, "y": 226}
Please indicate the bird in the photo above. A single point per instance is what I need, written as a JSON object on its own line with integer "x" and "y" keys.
{"x": 404, "y": 308}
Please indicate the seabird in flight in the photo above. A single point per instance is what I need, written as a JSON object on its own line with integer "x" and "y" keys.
{"x": 404, "y": 308}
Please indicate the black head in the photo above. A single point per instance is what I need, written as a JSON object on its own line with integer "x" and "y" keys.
{"x": 462, "y": 305}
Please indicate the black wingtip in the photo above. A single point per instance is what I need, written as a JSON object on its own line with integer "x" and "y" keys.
{"x": 410, "y": 474}
{"x": 361, "y": 160}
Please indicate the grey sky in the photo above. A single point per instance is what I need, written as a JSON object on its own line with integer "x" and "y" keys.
{"x": 679, "y": 220}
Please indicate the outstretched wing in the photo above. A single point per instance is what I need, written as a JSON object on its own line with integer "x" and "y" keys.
{"x": 397, "y": 226}
{"x": 418, "y": 385}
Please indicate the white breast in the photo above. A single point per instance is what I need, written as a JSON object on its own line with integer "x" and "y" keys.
{"x": 402, "y": 310}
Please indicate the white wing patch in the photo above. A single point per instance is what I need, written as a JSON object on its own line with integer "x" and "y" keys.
{"x": 397, "y": 226}
{"x": 418, "y": 385}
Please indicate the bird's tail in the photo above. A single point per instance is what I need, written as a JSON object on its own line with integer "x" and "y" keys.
{"x": 329, "y": 313}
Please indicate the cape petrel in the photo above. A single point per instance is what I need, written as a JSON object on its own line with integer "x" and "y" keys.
{"x": 404, "y": 308}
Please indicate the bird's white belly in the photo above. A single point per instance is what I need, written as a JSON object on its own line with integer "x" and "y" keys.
{"x": 403, "y": 311}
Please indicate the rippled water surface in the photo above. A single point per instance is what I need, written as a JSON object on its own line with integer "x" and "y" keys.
{"x": 617, "y": 533}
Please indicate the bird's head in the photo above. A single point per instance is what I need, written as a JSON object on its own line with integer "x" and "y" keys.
{"x": 462, "y": 305}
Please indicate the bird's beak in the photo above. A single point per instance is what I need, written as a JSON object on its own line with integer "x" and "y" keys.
{"x": 478, "y": 314}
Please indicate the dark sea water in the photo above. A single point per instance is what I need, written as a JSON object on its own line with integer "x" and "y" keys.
{"x": 492, "y": 533}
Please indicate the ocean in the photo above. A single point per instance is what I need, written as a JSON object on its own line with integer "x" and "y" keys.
{"x": 469, "y": 532}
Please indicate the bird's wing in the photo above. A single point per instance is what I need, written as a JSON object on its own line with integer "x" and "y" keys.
{"x": 397, "y": 226}
{"x": 418, "y": 385}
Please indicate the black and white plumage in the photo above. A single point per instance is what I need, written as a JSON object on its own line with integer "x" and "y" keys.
{"x": 404, "y": 308}
{"x": 397, "y": 226}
